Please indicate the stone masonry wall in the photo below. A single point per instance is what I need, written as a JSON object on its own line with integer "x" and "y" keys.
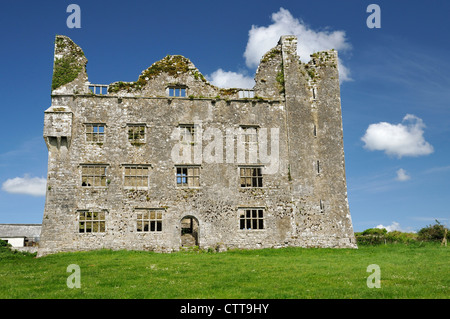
{"x": 303, "y": 205}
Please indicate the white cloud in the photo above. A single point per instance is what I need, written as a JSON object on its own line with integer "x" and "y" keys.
{"x": 392, "y": 227}
{"x": 228, "y": 79}
{"x": 35, "y": 186}
{"x": 402, "y": 175}
{"x": 262, "y": 39}
{"x": 403, "y": 139}
{"x": 344, "y": 72}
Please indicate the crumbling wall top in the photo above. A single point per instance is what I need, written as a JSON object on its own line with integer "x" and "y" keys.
{"x": 171, "y": 71}
{"x": 69, "y": 67}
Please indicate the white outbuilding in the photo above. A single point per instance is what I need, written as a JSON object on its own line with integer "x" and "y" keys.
{"x": 21, "y": 236}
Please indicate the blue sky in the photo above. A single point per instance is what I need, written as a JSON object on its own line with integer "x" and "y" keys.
{"x": 395, "y": 85}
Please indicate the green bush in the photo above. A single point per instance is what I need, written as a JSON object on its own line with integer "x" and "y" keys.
{"x": 433, "y": 232}
{"x": 400, "y": 237}
{"x": 7, "y": 253}
{"x": 4, "y": 244}
{"x": 371, "y": 236}
{"x": 375, "y": 231}
{"x": 369, "y": 240}
{"x": 377, "y": 236}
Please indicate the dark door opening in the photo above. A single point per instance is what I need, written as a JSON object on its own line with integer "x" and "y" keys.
{"x": 189, "y": 231}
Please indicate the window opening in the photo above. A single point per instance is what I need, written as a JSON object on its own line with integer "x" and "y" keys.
{"x": 188, "y": 176}
{"x": 93, "y": 175}
{"x": 149, "y": 220}
{"x": 91, "y": 222}
{"x": 95, "y": 133}
{"x": 136, "y": 176}
{"x": 251, "y": 219}
{"x": 251, "y": 177}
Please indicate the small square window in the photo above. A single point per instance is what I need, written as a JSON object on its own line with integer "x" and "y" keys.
{"x": 187, "y": 133}
{"x": 95, "y": 133}
{"x": 91, "y": 221}
{"x": 251, "y": 218}
{"x": 149, "y": 220}
{"x": 246, "y": 94}
{"x": 250, "y": 134}
{"x": 136, "y": 133}
{"x": 98, "y": 89}
{"x": 188, "y": 176}
{"x": 177, "y": 92}
{"x": 251, "y": 177}
{"x": 93, "y": 175}
{"x": 136, "y": 176}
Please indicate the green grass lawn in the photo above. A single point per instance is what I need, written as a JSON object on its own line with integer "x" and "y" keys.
{"x": 418, "y": 271}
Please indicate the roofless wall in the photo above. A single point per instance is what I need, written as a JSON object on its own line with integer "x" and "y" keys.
{"x": 170, "y": 160}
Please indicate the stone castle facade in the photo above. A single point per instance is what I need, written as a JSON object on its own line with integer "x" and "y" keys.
{"x": 170, "y": 161}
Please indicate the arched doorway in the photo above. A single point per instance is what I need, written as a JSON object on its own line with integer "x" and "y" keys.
{"x": 189, "y": 231}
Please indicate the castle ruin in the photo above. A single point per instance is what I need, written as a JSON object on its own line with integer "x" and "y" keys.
{"x": 172, "y": 161}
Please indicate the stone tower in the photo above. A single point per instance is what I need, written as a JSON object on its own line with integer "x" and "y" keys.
{"x": 170, "y": 160}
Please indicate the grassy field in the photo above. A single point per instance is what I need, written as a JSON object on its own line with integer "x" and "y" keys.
{"x": 419, "y": 271}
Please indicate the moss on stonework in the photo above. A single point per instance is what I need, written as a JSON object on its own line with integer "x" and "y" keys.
{"x": 68, "y": 67}
{"x": 65, "y": 71}
{"x": 59, "y": 109}
{"x": 228, "y": 92}
{"x": 271, "y": 54}
{"x": 120, "y": 86}
{"x": 323, "y": 58}
{"x": 197, "y": 75}
{"x": 173, "y": 65}
{"x": 63, "y": 44}
{"x": 280, "y": 79}
{"x": 312, "y": 73}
